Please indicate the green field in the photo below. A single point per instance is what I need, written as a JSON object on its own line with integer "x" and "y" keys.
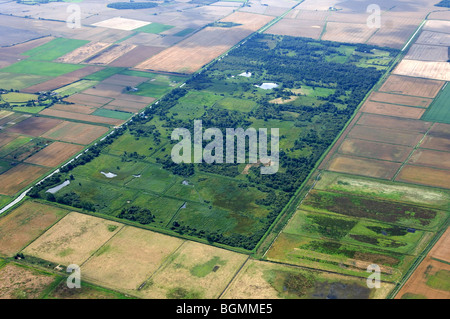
{"x": 154, "y": 28}
{"x": 41, "y": 68}
{"x": 112, "y": 114}
{"x": 54, "y": 49}
{"x": 439, "y": 111}
{"x": 10, "y": 81}
{"x": 75, "y": 87}
{"x": 103, "y": 74}
{"x": 184, "y": 32}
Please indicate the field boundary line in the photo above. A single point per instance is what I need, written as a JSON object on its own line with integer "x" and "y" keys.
{"x": 163, "y": 264}
{"x": 106, "y": 242}
{"x": 233, "y": 278}
{"x": 416, "y": 147}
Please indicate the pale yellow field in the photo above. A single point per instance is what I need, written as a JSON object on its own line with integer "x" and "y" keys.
{"x": 73, "y": 239}
{"x": 121, "y": 23}
{"x": 129, "y": 258}
{"x": 424, "y": 69}
{"x": 192, "y": 271}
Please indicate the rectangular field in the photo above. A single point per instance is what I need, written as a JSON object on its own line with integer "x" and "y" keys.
{"x": 386, "y": 135}
{"x": 73, "y": 239}
{"x": 365, "y": 167}
{"x": 400, "y": 99}
{"x": 380, "y": 121}
{"x": 393, "y": 110}
{"x": 34, "y": 126}
{"x": 424, "y": 176}
{"x": 428, "y": 53}
{"x": 438, "y": 138}
{"x": 440, "y": 110}
{"x": 376, "y": 150}
{"x": 130, "y": 258}
{"x": 54, "y": 154}
{"x": 81, "y": 117}
{"x": 18, "y": 177}
{"x": 424, "y": 69}
{"x": 76, "y": 132}
{"x": 412, "y": 86}
{"x": 25, "y": 223}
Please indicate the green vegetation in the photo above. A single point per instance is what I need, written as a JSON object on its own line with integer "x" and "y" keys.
{"x": 41, "y": 68}
{"x": 54, "y": 49}
{"x": 211, "y": 265}
{"x": 229, "y": 204}
{"x": 154, "y": 27}
{"x": 439, "y": 111}
{"x": 184, "y": 32}
{"x": 103, "y": 74}
{"x": 440, "y": 280}
{"x": 112, "y": 114}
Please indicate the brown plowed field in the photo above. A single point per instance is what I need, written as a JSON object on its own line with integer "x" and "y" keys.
{"x": 381, "y": 121}
{"x": 136, "y": 56}
{"x": 364, "y": 167}
{"x": 385, "y": 135}
{"x": 401, "y": 99}
{"x": 19, "y": 177}
{"x": 431, "y": 158}
{"x": 425, "y": 176}
{"x": 54, "y": 154}
{"x": 393, "y": 110}
{"x": 387, "y": 152}
{"x": 412, "y": 86}
{"x": 34, "y": 126}
{"x": 76, "y": 132}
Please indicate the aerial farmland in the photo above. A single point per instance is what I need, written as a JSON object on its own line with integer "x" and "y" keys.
{"x": 124, "y": 173}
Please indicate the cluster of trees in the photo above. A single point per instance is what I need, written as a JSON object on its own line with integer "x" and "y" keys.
{"x": 137, "y": 214}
